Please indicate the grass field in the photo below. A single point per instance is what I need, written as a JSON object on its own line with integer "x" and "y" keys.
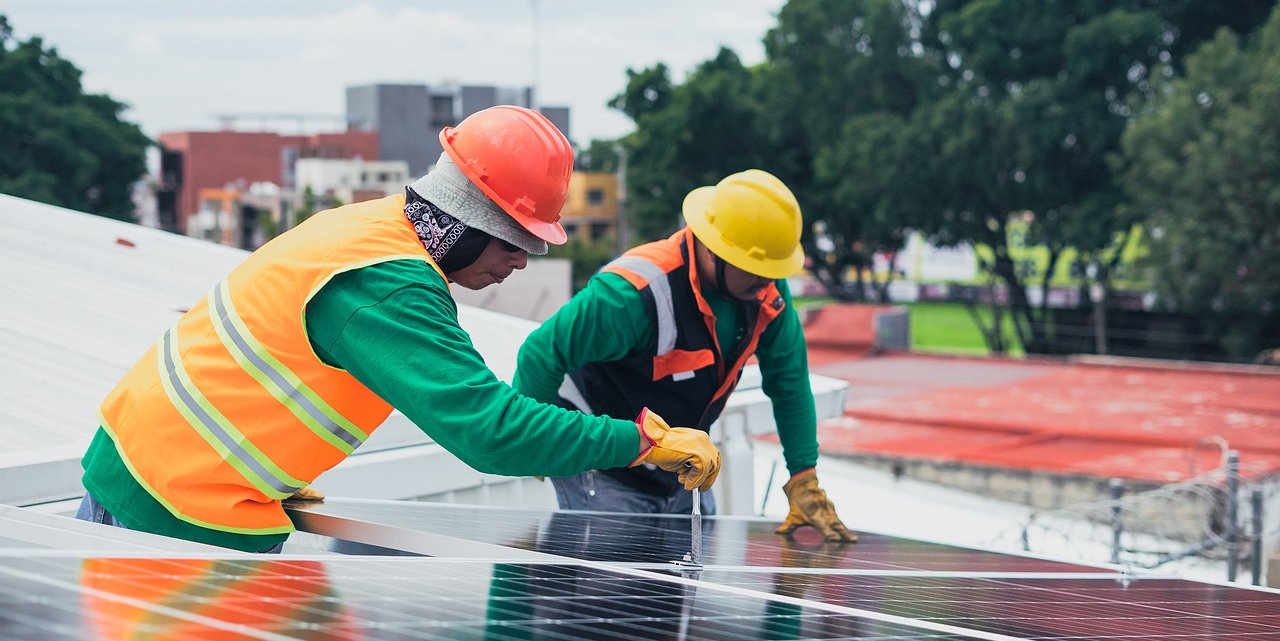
{"x": 949, "y": 328}
{"x": 943, "y": 327}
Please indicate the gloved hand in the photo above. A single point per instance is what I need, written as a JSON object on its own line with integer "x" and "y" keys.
{"x": 810, "y": 506}
{"x": 687, "y": 452}
{"x": 307, "y": 494}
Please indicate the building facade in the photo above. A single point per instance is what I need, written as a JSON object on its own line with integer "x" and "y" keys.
{"x": 409, "y": 117}
{"x": 194, "y": 160}
{"x": 334, "y": 180}
{"x": 591, "y": 211}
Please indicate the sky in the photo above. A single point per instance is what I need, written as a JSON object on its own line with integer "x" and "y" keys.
{"x": 180, "y": 64}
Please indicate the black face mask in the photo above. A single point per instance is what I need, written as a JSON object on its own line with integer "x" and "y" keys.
{"x": 450, "y": 242}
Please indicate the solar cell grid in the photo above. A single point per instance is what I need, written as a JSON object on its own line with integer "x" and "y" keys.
{"x": 406, "y": 598}
{"x": 1042, "y": 608}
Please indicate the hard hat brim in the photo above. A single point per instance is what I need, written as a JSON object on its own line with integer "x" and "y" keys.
{"x": 697, "y": 204}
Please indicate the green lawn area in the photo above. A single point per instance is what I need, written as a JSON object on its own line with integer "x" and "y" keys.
{"x": 941, "y": 327}
{"x": 948, "y": 327}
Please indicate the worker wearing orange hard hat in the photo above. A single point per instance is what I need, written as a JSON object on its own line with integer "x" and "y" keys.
{"x": 296, "y": 356}
{"x": 669, "y": 326}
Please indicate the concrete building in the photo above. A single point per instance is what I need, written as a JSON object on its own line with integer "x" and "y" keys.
{"x": 348, "y": 181}
{"x": 409, "y": 117}
{"x": 195, "y": 160}
{"x": 241, "y": 218}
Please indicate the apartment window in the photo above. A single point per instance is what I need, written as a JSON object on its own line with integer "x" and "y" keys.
{"x": 595, "y": 197}
{"x": 442, "y": 111}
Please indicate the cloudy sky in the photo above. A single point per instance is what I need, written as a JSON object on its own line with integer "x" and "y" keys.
{"x": 178, "y": 64}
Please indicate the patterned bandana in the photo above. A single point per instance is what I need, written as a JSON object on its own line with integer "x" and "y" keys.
{"x": 449, "y": 241}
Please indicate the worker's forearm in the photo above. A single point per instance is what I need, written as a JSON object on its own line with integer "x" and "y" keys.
{"x": 603, "y": 322}
{"x": 784, "y": 369}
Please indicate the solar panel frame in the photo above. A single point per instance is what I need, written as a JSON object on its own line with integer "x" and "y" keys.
{"x": 647, "y": 540}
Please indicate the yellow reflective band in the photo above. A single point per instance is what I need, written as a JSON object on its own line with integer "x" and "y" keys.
{"x": 232, "y": 445}
{"x": 285, "y": 386}
{"x": 137, "y": 476}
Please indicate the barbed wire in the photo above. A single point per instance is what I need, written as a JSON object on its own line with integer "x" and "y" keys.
{"x": 1187, "y": 521}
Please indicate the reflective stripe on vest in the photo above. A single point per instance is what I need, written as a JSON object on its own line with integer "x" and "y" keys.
{"x": 234, "y": 447}
{"x": 656, "y": 279}
{"x": 282, "y": 383}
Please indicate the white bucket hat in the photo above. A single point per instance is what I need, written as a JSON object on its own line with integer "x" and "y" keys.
{"x": 447, "y": 188}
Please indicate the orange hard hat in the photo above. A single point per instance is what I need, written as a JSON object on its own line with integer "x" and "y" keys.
{"x": 519, "y": 160}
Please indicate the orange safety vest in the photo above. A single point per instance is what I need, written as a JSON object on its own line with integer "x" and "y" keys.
{"x": 685, "y": 375}
{"x": 231, "y": 410}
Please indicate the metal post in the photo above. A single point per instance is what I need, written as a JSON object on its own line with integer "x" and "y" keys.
{"x": 1117, "y": 491}
{"x": 768, "y": 486}
{"x": 534, "y": 98}
{"x": 1256, "y": 500}
{"x": 1233, "y": 512}
{"x": 1098, "y": 295}
{"x": 622, "y": 228}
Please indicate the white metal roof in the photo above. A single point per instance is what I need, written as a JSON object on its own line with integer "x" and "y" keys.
{"x": 82, "y": 297}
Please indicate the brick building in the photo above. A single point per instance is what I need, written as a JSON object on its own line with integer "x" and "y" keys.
{"x": 195, "y": 160}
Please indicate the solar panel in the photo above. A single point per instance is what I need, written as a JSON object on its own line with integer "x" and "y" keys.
{"x": 659, "y": 539}
{"x": 1042, "y": 607}
{"x": 600, "y": 576}
{"x": 62, "y": 597}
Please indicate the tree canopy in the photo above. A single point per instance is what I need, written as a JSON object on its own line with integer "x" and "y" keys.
{"x": 953, "y": 118}
{"x": 63, "y": 146}
{"x": 1202, "y": 162}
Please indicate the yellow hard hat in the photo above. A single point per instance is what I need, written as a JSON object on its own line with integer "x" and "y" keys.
{"x": 751, "y": 220}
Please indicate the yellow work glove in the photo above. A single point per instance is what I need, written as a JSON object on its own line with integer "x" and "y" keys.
{"x": 810, "y": 506}
{"x": 307, "y": 494}
{"x": 686, "y": 451}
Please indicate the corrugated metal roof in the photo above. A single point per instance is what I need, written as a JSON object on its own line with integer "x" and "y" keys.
{"x": 82, "y": 297}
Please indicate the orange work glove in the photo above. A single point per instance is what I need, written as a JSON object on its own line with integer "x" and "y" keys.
{"x": 810, "y": 506}
{"x": 686, "y": 451}
{"x": 307, "y": 494}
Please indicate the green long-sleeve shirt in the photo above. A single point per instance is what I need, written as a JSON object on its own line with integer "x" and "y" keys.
{"x": 394, "y": 327}
{"x": 606, "y": 321}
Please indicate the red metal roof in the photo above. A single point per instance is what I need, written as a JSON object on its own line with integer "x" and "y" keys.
{"x": 1116, "y": 418}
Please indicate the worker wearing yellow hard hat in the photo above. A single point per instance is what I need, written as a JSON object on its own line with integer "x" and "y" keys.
{"x": 669, "y": 326}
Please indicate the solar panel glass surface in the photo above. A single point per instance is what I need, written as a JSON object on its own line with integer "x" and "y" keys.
{"x": 1041, "y": 607}
{"x": 404, "y": 598}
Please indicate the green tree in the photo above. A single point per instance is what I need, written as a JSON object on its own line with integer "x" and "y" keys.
{"x": 586, "y": 257}
{"x": 602, "y": 155}
{"x": 688, "y": 136}
{"x": 841, "y": 80}
{"x": 1048, "y": 87}
{"x": 1202, "y": 162}
{"x": 63, "y": 146}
